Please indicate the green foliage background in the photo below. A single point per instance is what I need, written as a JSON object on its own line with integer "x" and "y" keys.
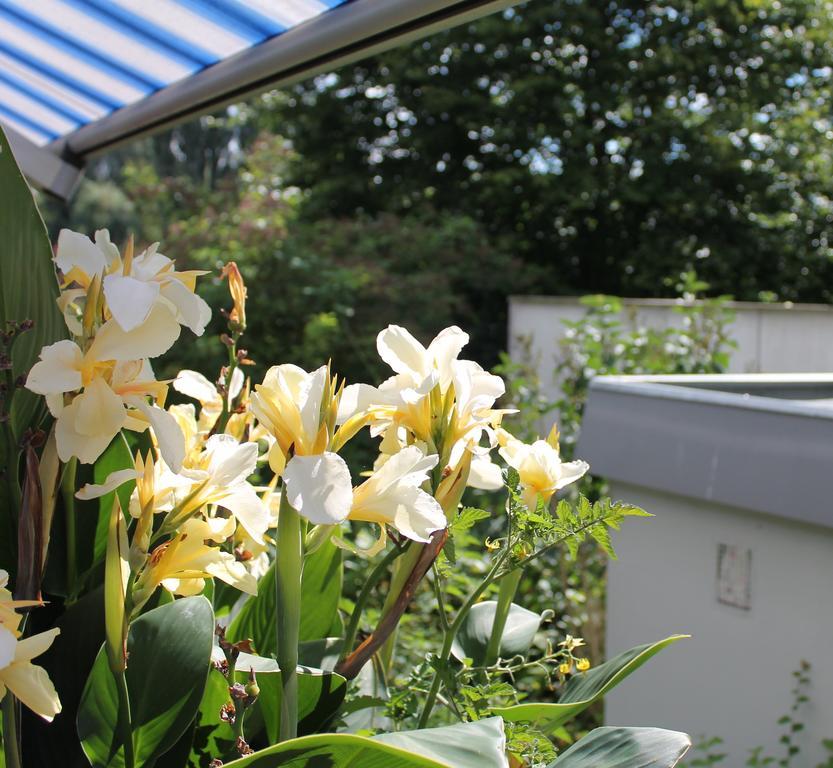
{"x": 557, "y": 147}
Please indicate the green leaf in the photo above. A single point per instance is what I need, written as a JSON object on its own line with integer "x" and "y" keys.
{"x": 169, "y": 653}
{"x": 320, "y": 593}
{"x": 28, "y": 284}
{"x": 473, "y": 636}
{"x": 584, "y": 689}
{"x": 625, "y": 748}
{"x": 116, "y": 457}
{"x": 28, "y": 290}
{"x": 481, "y": 744}
{"x": 82, "y": 633}
{"x": 470, "y": 745}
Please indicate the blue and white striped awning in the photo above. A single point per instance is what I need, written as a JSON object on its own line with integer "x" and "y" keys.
{"x": 67, "y": 63}
{"x": 79, "y": 76}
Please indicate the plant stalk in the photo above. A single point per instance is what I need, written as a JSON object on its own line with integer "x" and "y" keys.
{"x": 289, "y": 565}
{"x": 508, "y": 588}
{"x": 11, "y": 744}
{"x": 68, "y": 493}
{"x": 370, "y": 583}
{"x": 124, "y": 725}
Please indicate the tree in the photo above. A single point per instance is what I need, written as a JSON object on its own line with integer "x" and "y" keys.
{"x": 610, "y": 145}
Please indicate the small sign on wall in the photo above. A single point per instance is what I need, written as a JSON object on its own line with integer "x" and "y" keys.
{"x": 734, "y": 576}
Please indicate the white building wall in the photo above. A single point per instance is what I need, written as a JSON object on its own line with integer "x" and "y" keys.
{"x": 771, "y": 338}
{"x": 732, "y": 679}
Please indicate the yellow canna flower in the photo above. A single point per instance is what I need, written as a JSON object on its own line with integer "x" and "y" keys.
{"x": 182, "y": 564}
{"x": 540, "y": 468}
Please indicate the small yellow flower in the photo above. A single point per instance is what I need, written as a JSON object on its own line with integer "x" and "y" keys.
{"x": 565, "y": 667}
{"x": 582, "y": 665}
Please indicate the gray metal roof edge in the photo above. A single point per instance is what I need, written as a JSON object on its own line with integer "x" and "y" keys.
{"x": 694, "y": 388}
{"x": 781, "y": 306}
{"x": 759, "y": 454}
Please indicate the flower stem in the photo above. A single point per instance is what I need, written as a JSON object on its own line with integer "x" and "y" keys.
{"x": 448, "y": 637}
{"x": 124, "y": 725}
{"x": 11, "y": 746}
{"x": 289, "y": 565}
{"x": 372, "y": 580}
{"x": 508, "y": 587}
{"x": 68, "y": 492}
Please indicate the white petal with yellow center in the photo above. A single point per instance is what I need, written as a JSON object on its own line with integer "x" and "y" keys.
{"x": 319, "y": 487}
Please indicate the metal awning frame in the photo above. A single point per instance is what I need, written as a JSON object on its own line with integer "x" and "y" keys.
{"x": 344, "y": 34}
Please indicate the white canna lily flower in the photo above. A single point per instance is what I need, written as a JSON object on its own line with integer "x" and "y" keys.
{"x": 417, "y": 366}
{"x": 289, "y": 405}
{"x": 28, "y": 682}
{"x": 392, "y": 496}
{"x": 540, "y": 468}
{"x": 217, "y": 477}
{"x": 132, "y": 286}
{"x": 114, "y": 396}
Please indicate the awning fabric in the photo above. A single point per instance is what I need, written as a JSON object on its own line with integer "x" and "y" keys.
{"x": 80, "y": 76}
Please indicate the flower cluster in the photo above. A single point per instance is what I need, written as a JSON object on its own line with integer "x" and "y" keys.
{"x": 121, "y": 310}
{"x": 194, "y": 512}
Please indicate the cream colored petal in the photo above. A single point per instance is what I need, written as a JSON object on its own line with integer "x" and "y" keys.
{"x": 357, "y": 398}
{"x": 77, "y": 250}
{"x": 31, "y": 647}
{"x": 227, "y": 569}
{"x": 277, "y": 461}
{"x": 310, "y": 401}
{"x": 402, "y": 352}
{"x": 485, "y": 474}
{"x": 244, "y": 503}
{"x": 100, "y": 410}
{"x": 152, "y": 338}
{"x": 238, "y": 379}
{"x": 113, "y": 481}
{"x": 58, "y": 370}
{"x": 130, "y": 300}
{"x": 70, "y": 442}
{"x": 33, "y": 688}
{"x": 444, "y": 349}
{"x": 418, "y": 514}
{"x": 194, "y": 384}
{"x": 192, "y": 311}
{"x": 319, "y": 487}
{"x": 169, "y": 436}
{"x": 106, "y": 246}
{"x": 570, "y": 472}
{"x": 8, "y": 646}
{"x": 229, "y": 462}
{"x": 184, "y": 587}
{"x": 410, "y": 466}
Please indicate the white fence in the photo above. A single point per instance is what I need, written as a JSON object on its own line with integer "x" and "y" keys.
{"x": 771, "y": 338}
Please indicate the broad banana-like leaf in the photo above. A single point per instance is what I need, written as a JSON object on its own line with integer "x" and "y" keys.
{"x": 585, "y": 688}
{"x": 625, "y": 748}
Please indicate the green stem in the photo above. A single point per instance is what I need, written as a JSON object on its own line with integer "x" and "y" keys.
{"x": 68, "y": 493}
{"x": 370, "y": 583}
{"x": 239, "y": 715}
{"x": 448, "y": 637}
{"x": 124, "y": 725}
{"x": 11, "y": 746}
{"x": 225, "y": 414}
{"x": 289, "y": 565}
{"x": 508, "y": 587}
